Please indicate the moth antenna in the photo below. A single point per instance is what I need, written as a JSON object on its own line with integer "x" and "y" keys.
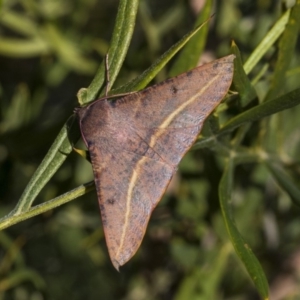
{"x": 107, "y": 75}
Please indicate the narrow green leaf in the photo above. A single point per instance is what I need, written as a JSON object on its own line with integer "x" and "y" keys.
{"x": 241, "y": 82}
{"x": 19, "y": 22}
{"x": 265, "y": 109}
{"x": 12, "y": 219}
{"x": 267, "y": 42}
{"x": 241, "y": 247}
{"x": 203, "y": 283}
{"x": 61, "y": 146}
{"x": 122, "y": 35}
{"x": 21, "y": 48}
{"x": 142, "y": 80}
{"x": 10, "y": 247}
{"x": 191, "y": 53}
{"x": 17, "y": 277}
{"x": 287, "y": 44}
{"x": 285, "y": 181}
{"x": 67, "y": 51}
{"x": 50, "y": 164}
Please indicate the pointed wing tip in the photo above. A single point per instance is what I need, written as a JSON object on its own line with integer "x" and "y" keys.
{"x": 120, "y": 260}
{"x": 228, "y": 58}
{"x": 119, "y": 263}
{"x": 116, "y": 264}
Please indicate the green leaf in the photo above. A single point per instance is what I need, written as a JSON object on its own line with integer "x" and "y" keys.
{"x": 61, "y": 146}
{"x": 12, "y": 219}
{"x": 241, "y": 82}
{"x": 19, "y": 22}
{"x": 267, "y": 42}
{"x": 142, "y": 80}
{"x": 241, "y": 247}
{"x": 11, "y": 250}
{"x": 203, "y": 283}
{"x": 285, "y": 181}
{"x": 50, "y": 164}
{"x": 67, "y": 51}
{"x": 120, "y": 42}
{"x": 265, "y": 109}
{"x": 287, "y": 44}
{"x": 21, "y": 48}
{"x": 191, "y": 53}
{"x": 19, "y": 276}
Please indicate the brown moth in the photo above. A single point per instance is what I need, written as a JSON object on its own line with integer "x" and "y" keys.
{"x": 136, "y": 143}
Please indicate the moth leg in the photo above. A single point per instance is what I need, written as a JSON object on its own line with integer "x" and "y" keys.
{"x": 84, "y": 153}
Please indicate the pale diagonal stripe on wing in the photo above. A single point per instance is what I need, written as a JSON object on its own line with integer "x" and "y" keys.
{"x": 153, "y": 140}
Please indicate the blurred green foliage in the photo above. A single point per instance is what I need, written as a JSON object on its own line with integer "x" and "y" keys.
{"x": 49, "y": 50}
